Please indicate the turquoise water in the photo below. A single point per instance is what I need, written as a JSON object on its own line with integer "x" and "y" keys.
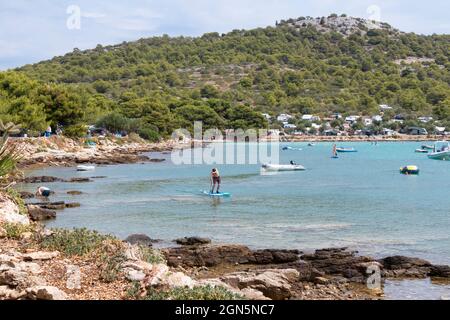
{"x": 359, "y": 200}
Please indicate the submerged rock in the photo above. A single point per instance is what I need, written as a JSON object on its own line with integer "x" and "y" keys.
{"x": 26, "y": 195}
{"x": 192, "y": 241}
{"x": 74, "y": 193}
{"x": 42, "y": 179}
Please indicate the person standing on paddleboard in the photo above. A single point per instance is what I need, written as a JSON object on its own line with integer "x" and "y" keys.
{"x": 215, "y": 179}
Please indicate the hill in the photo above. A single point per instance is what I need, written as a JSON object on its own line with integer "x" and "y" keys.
{"x": 301, "y": 66}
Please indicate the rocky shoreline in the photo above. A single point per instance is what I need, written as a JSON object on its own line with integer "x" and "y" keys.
{"x": 65, "y": 152}
{"x": 41, "y": 264}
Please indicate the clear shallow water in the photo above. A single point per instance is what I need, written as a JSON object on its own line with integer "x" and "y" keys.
{"x": 359, "y": 200}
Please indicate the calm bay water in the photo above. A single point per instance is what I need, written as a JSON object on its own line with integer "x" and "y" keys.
{"x": 359, "y": 200}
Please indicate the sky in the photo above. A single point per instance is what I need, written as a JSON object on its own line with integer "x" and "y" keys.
{"x": 35, "y": 30}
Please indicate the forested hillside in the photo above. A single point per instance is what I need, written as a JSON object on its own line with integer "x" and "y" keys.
{"x": 317, "y": 66}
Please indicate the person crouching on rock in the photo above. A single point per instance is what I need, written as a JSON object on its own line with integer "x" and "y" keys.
{"x": 43, "y": 192}
{"x": 215, "y": 179}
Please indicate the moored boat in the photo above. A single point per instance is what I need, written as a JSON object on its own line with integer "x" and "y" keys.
{"x": 85, "y": 168}
{"x": 421, "y": 151}
{"x": 441, "y": 151}
{"x": 346, "y": 150}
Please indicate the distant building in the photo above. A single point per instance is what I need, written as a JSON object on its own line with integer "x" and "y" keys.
{"x": 377, "y": 118}
{"x": 267, "y": 116}
{"x": 389, "y": 132}
{"x": 289, "y": 126}
{"x": 425, "y": 119}
{"x": 284, "y": 117}
{"x": 310, "y": 117}
{"x": 352, "y": 119}
{"x": 417, "y": 131}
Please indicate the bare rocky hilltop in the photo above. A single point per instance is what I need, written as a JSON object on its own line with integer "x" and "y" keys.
{"x": 341, "y": 24}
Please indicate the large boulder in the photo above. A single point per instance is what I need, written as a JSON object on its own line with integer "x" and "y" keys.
{"x": 275, "y": 284}
{"x": 440, "y": 271}
{"x": 42, "y": 179}
{"x": 37, "y": 213}
{"x": 9, "y": 212}
{"x": 339, "y": 262}
{"x": 40, "y": 255}
{"x": 401, "y": 262}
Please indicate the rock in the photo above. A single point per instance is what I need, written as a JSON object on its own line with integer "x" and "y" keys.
{"x": 60, "y": 205}
{"x": 40, "y": 255}
{"x": 440, "y": 271}
{"x": 178, "y": 279}
{"x": 3, "y": 232}
{"x": 46, "y": 293}
{"x": 37, "y": 213}
{"x": 191, "y": 241}
{"x": 26, "y": 235}
{"x": 401, "y": 262}
{"x": 157, "y": 275}
{"x": 140, "y": 239}
{"x": 339, "y": 262}
{"x": 79, "y": 180}
{"x": 42, "y": 179}
{"x": 14, "y": 278}
{"x": 99, "y": 177}
{"x": 156, "y": 160}
{"x": 9, "y": 212}
{"x": 26, "y": 195}
{"x": 135, "y": 275}
{"x": 321, "y": 280}
{"x": 9, "y": 294}
{"x": 73, "y": 277}
{"x": 213, "y": 255}
{"x": 208, "y": 256}
{"x": 275, "y": 284}
{"x": 73, "y": 205}
{"x": 74, "y": 193}
{"x": 270, "y": 256}
{"x": 138, "y": 265}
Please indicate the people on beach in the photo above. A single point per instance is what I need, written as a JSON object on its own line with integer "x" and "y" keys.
{"x": 43, "y": 192}
{"x": 215, "y": 180}
{"x": 48, "y": 132}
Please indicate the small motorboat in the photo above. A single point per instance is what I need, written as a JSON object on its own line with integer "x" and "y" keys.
{"x": 346, "y": 150}
{"x": 427, "y": 147}
{"x": 85, "y": 168}
{"x": 409, "y": 170}
{"x": 311, "y": 144}
{"x": 421, "y": 151}
{"x": 283, "y": 167}
{"x": 441, "y": 151}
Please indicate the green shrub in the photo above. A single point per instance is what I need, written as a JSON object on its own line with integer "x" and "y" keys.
{"x": 151, "y": 255}
{"x": 16, "y": 230}
{"x": 196, "y": 293}
{"x": 15, "y": 196}
{"x": 76, "y": 242}
{"x": 149, "y": 134}
{"x": 76, "y": 131}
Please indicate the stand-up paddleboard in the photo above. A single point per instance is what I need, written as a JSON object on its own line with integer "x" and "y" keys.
{"x": 220, "y": 194}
